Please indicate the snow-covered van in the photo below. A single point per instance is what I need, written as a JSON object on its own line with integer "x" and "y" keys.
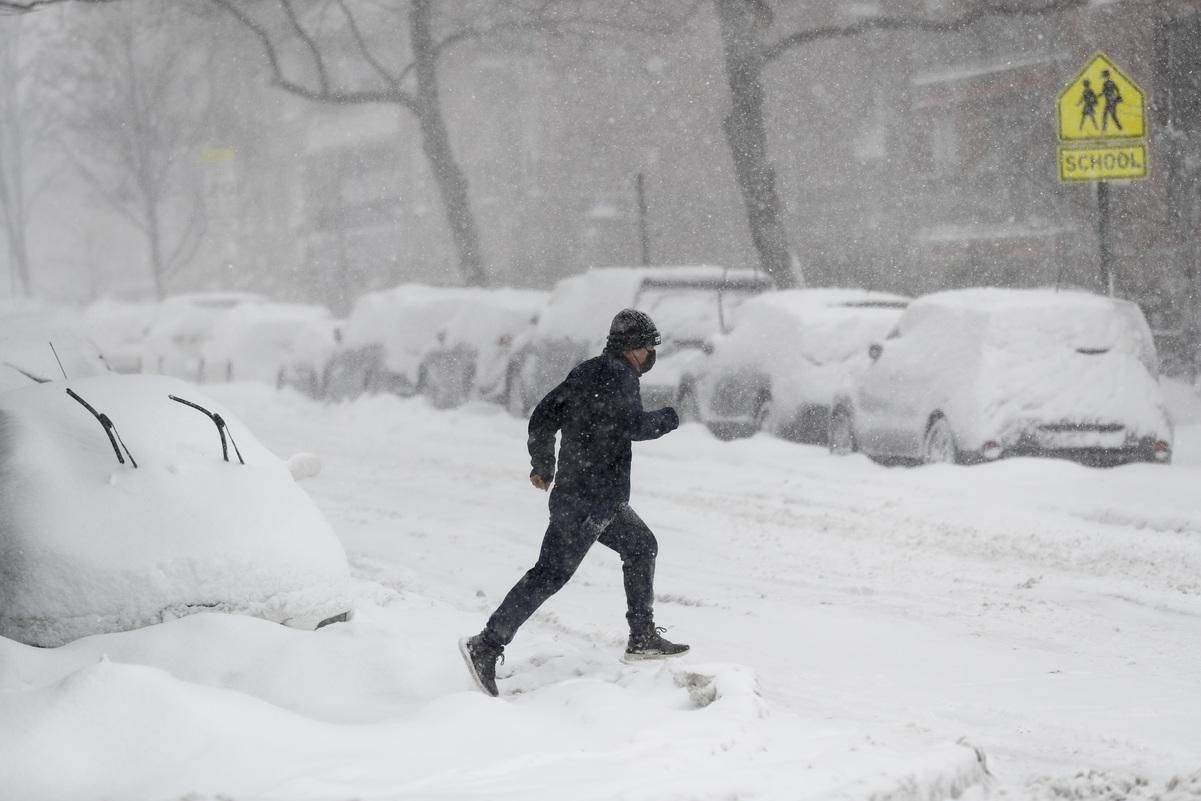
{"x": 979, "y": 374}
{"x": 687, "y": 303}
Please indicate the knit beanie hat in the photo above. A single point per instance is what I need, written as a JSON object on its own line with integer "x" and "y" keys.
{"x": 630, "y": 330}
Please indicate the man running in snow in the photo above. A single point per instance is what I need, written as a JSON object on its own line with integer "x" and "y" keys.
{"x": 598, "y": 412}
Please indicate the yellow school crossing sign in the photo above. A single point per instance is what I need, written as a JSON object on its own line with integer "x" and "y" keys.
{"x": 1102, "y": 125}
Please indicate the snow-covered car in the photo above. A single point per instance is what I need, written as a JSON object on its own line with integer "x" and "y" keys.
{"x": 285, "y": 344}
{"x": 979, "y": 374}
{"x": 129, "y": 500}
{"x": 174, "y": 340}
{"x": 469, "y": 359}
{"x": 785, "y": 357}
{"x": 117, "y": 327}
{"x": 687, "y": 303}
{"x": 386, "y": 336}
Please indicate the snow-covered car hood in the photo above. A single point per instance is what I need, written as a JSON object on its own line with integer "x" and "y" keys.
{"x": 89, "y": 544}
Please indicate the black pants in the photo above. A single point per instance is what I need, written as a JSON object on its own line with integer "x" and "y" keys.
{"x": 574, "y": 525}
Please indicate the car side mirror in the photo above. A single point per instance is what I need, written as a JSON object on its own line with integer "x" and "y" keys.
{"x": 874, "y": 350}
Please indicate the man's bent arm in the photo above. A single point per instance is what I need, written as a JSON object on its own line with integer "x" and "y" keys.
{"x": 545, "y": 422}
{"x": 652, "y": 425}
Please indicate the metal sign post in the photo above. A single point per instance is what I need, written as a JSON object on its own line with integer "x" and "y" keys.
{"x": 1102, "y": 137}
{"x": 1105, "y": 252}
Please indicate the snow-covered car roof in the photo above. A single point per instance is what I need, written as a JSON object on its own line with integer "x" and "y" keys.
{"x": 582, "y": 306}
{"x": 484, "y": 316}
{"x": 404, "y": 311}
{"x": 91, "y": 543}
{"x": 262, "y": 337}
{"x": 409, "y": 319}
{"x": 191, "y": 316}
{"x": 822, "y": 325}
{"x": 1024, "y": 320}
{"x": 116, "y": 325}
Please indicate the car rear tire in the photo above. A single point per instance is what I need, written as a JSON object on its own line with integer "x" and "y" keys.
{"x": 841, "y": 435}
{"x": 515, "y": 398}
{"x": 687, "y": 405}
{"x": 938, "y": 446}
{"x": 762, "y": 412}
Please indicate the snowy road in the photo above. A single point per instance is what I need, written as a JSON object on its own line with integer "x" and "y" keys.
{"x": 857, "y": 632}
{"x": 1046, "y": 612}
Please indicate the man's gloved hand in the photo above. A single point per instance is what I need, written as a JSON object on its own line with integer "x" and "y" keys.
{"x": 671, "y": 418}
{"x": 539, "y": 482}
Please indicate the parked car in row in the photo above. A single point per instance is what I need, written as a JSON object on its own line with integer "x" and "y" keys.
{"x": 118, "y": 327}
{"x": 451, "y": 343}
{"x": 980, "y": 374}
{"x": 470, "y": 358}
{"x": 285, "y": 344}
{"x": 385, "y": 337}
{"x": 688, "y": 303}
{"x": 784, "y": 358}
{"x": 173, "y": 342}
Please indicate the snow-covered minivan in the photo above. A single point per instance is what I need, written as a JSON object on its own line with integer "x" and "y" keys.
{"x": 974, "y": 375}
{"x": 687, "y": 303}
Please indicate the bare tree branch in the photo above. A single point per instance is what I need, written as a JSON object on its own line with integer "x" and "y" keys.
{"x": 101, "y": 188}
{"x": 927, "y": 25}
{"x": 303, "y": 35}
{"x": 322, "y": 95}
{"x": 368, "y": 56}
{"x": 189, "y": 241}
{"x": 25, "y": 6}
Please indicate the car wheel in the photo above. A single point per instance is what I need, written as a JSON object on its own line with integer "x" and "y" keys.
{"x": 842, "y": 432}
{"x": 514, "y": 398}
{"x": 939, "y": 445}
{"x": 762, "y": 412}
{"x": 687, "y": 405}
{"x": 728, "y": 432}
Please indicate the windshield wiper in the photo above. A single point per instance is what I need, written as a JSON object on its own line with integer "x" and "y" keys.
{"x": 219, "y": 422}
{"x": 109, "y": 428}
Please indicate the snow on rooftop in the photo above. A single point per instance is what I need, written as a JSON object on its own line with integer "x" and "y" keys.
{"x": 979, "y": 69}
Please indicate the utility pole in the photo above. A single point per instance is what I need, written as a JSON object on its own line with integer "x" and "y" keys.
{"x": 643, "y": 229}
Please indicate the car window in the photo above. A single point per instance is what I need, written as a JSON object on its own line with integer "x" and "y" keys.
{"x": 690, "y": 314}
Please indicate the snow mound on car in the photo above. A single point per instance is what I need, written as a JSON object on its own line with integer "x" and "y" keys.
{"x": 90, "y": 545}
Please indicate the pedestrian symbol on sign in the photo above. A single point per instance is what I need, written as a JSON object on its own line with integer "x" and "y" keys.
{"x": 1121, "y": 104}
{"x": 1109, "y": 90}
{"x": 1088, "y": 99}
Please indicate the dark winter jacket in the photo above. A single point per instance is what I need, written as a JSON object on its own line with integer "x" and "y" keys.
{"x": 598, "y": 410}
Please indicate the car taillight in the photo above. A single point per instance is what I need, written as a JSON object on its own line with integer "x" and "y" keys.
{"x": 1163, "y": 451}
{"x": 991, "y": 450}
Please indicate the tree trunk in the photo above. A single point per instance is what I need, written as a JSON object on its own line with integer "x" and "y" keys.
{"x": 742, "y": 23}
{"x": 154, "y": 241}
{"x": 435, "y": 142}
{"x": 18, "y": 251}
{"x": 13, "y": 207}
{"x": 12, "y": 212}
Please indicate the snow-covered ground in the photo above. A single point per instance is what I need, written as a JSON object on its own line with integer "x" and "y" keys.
{"x": 1021, "y": 630}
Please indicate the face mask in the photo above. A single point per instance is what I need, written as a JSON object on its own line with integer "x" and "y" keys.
{"x": 647, "y": 363}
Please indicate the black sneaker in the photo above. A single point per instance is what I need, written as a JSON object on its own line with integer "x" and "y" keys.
{"x": 481, "y": 662}
{"x": 650, "y": 645}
